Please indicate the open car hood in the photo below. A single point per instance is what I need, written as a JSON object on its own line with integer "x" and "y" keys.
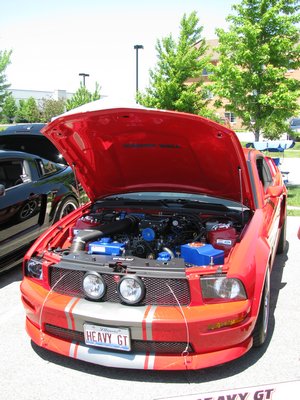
{"x": 121, "y": 150}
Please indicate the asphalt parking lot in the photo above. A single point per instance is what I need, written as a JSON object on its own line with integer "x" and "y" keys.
{"x": 28, "y": 372}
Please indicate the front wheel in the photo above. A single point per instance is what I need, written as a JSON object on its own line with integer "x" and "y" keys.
{"x": 68, "y": 205}
{"x": 261, "y": 327}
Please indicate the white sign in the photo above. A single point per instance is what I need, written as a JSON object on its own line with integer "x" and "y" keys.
{"x": 108, "y": 337}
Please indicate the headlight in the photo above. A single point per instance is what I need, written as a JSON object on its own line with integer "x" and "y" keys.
{"x": 34, "y": 268}
{"x": 222, "y": 288}
{"x": 93, "y": 285}
{"x": 131, "y": 289}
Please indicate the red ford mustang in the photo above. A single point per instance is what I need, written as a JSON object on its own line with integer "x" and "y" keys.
{"x": 168, "y": 266}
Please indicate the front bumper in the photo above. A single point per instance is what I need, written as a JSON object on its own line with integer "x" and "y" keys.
{"x": 196, "y": 327}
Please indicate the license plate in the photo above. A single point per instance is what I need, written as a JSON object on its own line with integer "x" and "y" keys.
{"x": 108, "y": 337}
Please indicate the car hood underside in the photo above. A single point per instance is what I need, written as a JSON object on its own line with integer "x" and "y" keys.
{"x": 123, "y": 150}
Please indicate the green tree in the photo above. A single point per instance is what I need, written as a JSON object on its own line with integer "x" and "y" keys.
{"x": 4, "y": 62}
{"x": 172, "y": 82}
{"x": 9, "y": 109}
{"x": 20, "y": 117}
{"x": 260, "y": 47}
{"x": 83, "y": 96}
{"x": 32, "y": 111}
{"x": 51, "y": 108}
{"x": 28, "y": 111}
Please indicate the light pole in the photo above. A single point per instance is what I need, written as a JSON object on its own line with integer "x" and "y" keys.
{"x": 137, "y": 47}
{"x": 83, "y": 77}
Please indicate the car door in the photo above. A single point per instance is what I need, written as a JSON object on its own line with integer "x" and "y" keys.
{"x": 21, "y": 206}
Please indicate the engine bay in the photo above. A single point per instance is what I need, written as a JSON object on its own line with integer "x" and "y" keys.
{"x": 150, "y": 233}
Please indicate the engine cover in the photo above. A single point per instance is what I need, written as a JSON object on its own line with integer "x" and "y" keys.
{"x": 223, "y": 238}
{"x": 106, "y": 246}
{"x": 201, "y": 254}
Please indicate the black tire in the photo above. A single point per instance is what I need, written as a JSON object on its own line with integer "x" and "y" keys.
{"x": 282, "y": 239}
{"x": 68, "y": 205}
{"x": 261, "y": 327}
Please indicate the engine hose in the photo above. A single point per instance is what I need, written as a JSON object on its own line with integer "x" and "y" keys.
{"x": 86, "y": 235}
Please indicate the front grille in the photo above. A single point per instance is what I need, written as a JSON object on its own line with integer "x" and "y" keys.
{"x": 159, "y": 291}
{"x": 137, "y": 346}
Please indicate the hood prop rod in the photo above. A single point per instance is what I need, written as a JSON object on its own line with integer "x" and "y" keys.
{"x": 76, "y": 183}
{"x": 241, "y": 192}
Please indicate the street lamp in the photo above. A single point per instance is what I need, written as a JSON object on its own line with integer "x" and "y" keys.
{"x": 83, "y": 77}
{"x": 137, "y": 47}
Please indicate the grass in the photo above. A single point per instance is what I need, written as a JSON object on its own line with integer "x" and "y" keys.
{"x": 293, "y": 213}
{"x": 290, "y": 153}
{"x": 294, "y": 200}
{"x": 294, "y": 195}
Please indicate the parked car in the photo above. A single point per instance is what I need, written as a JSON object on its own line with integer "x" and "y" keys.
{"x": 34, "y": 193}
{"x": 168, "y": 266}
{"x": 27, "y": 127}
{"x": 295, "y": 124}
{"x": 295, "y": 127}
{"x": 29, "y": 139}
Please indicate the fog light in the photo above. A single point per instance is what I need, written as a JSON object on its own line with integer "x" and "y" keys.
{"x": 131, "y": 289}
{"x": 34, "y": 268}
{"x": 93, "y": 285}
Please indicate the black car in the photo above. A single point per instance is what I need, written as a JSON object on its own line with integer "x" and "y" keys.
{"x": 26, "y": 127}
{"x": 29, "y": 139}
{"x": 34, "y": 193}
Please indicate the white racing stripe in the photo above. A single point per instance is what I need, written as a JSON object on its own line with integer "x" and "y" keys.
{"x": 108, "y": 314}
{"x": 67, "y": 312}
{"x": 149, "y": 321}
{"x": 110, "y": 359}
{"x": 72, "y": 350}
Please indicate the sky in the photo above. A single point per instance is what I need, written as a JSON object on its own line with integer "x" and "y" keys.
{"x": 55, "y": 40}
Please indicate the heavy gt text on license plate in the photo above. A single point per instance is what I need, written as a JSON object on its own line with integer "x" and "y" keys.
{"x": 108, "y": 337}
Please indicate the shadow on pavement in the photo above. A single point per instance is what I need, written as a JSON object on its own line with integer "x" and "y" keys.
{"x": 199, "y": 376}
{"x": 10, "y": 276}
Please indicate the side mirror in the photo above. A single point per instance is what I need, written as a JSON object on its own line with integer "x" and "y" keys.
{"x": 274, "y": 191}
{"x": 2, "y": 190}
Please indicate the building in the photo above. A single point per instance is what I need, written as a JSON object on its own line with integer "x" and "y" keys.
{"x": 38, "y": 95}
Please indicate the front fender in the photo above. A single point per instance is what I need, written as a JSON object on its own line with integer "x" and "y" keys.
{"x": 250, "y": 259}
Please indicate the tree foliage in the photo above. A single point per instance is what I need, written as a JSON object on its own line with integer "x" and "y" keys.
{"x": 4, "y": 62}
{"x": 260, "y": 47}
{"x": 51, "y": 108}
{"x": 28, "y": 111}
{"x": 9, "y": 109}
{"x": 83, "y": 96}
{"x": 172, "y": 82}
